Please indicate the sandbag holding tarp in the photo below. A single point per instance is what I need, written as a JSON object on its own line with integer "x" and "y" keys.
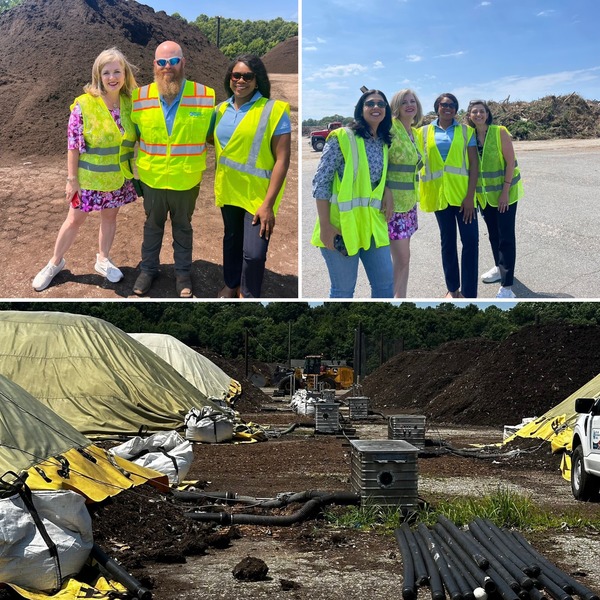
{"x": 165, "y": 451}
{"x": 107, "y": 383}
{"x": 303, "y": 403}
{"x": 208, "y": 426}
{"x": 201, "y": 372}
{"x": 25, "y": 559}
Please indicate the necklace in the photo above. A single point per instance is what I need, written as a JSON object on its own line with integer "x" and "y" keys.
{"x": 111, "y": 104}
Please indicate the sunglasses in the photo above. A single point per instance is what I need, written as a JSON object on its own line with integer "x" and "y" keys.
{"x": 162, "y": 62}
{"x": 245, "y": 76}
{"x": 378, "y": 103}
{"x": 448, "y": 105}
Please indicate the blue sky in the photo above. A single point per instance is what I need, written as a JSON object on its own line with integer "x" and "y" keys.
{"x": 254, "y": 10}
{"x": 475, "y": 49}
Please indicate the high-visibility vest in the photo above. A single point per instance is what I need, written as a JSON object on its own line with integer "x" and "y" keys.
{"x": 492, "y": 168}
{"x": 105, "y": 163}
{"x": 244, "y": 165}
{"x": 355, "y": 208}
{"x": 403, "y": 168}
{"x": 176, "y": 161}
{"x": 444, "y": 183}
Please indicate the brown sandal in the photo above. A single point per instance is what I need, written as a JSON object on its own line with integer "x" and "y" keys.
{"x": 227, "y": 292}
{"x": 183, "y": 285}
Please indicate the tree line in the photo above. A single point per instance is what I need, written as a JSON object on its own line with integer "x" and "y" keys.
{"x": 327, "y": 329}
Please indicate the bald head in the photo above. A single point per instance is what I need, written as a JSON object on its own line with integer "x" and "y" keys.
{"x": 169, "y": 77}
{"x": 168, "y": 49}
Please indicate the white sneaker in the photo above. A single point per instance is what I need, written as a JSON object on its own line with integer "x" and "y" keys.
{"x": 491, "y": 276}
{"x": 44, "y": 278}
{"x": 505, "y": 292}
{"x": 108, "y": 270}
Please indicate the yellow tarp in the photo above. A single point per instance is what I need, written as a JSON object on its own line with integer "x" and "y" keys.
{"x": 76, "y": 590}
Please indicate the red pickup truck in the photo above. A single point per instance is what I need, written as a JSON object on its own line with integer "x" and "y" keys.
{"x": 317, "y": 138}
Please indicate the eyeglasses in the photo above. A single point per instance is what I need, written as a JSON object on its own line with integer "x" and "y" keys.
{"x": 173, "y": 61}
{"x": 448, "y": 105}
{"x": 245, "y": 76}
{"x": 377, "y": 103}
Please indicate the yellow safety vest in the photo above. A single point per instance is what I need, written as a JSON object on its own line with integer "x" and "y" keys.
{"x": 492, "y": 168}
{"x": 105, "y": 163}
{"x": 355, "y": 208}
{"x": 403, "y": 168}
{"x": 244, "y": 165}
{"x": 443, "y": 184}
{"x": 176, "y": 161}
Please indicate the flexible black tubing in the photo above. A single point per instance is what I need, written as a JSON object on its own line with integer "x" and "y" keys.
{"x": 483, "y": 580}
{"x": 409, "y": 588}
{"x": 421, "y": 571}
{"x": 307, "y": 510}
{"x": 447, "y": 577}
{"x": 466, "y": 587}
{"x": 116, "y": 570}
{"x": 466, "y": 542}
{"x": 502, "y": 585}
{"x": 522, "y": 580}
{"x": 577, "y": 588}
{"x": 435, "y": 581}
{"x": 497, "y": 537}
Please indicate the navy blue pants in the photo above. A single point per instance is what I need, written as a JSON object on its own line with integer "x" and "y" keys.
{"x": 501, "y": 229}
{"x": 244, "y": 252}
{"x": 464, "y": 279}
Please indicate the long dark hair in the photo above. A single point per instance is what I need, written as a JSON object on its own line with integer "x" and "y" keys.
{"x": 256, "y": 65}
{"x": 361, "y": 127}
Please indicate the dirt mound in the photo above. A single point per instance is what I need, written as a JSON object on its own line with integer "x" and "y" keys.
{"x": 481, "y": 382}
{"x": 283, "y": 58}
{"x": 48, "y": 51}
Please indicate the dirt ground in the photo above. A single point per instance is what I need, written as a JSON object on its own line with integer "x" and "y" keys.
{"x": 32, "y": 209}
{"x": 186, "y": 559}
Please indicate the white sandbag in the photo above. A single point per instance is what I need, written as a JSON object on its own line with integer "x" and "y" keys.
{"x": 25, "y": 559}
{"x": 166, "y": 452}
{"x": 208, "y": 426}
{"x": 303, "y": 403}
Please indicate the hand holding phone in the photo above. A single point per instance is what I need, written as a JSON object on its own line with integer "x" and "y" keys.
{"x": 338, "y": 244}
{"x": 75, "y": 200}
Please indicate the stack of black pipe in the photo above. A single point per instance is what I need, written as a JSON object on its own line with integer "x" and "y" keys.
{"x": 483, "y": 561}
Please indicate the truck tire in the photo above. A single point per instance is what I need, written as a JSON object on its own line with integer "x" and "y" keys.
{"x": 328, "y": 383}
{"x": 318, "y": 145}
{"x": 584, "y": 486}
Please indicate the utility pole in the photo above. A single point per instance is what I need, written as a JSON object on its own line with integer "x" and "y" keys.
{"x": 218, "y": 32}
{"x": 246, "y": 350}
{"x": 289, "y": 344}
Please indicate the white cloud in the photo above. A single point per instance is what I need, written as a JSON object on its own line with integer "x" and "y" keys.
{"x": 321, "y": 40}
{"x": 378, "y": 65}
{"x": 485, "y": 4}
{"x": 546, "y": 13}
{"x": 452, "y": 54}
{"x": 337, "y": 71}
{"x": 310, "y": 49}
{"x": 414, "y": 58}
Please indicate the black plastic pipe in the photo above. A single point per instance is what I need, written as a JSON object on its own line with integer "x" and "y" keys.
{"x": 421, "y": 571}
{"x": 116, "y": 570}
{"x": 464, "y": 558}
{"x": 466, "y": 586}
{"x": 311, "y": 507}
{"x": 465, "y": 541}
{"x": 447, "y": 577}
{"x": 576, "y": 587}
{"x": 435, "y": 581}
{"x": 409, "y": 588}
{"x": 503, "y": 587}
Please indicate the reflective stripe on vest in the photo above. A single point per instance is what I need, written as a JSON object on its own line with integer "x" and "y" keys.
{"x": 462, "y": 170}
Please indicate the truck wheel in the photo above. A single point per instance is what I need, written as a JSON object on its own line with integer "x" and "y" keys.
{"x": 328, "y": 383}
{"x": 583, "y": 485}
{"x": 318, "y": 145}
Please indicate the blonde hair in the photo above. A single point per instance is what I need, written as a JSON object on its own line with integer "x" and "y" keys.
{"x": 95, "y": 88}
{"x": 396, "y": 103}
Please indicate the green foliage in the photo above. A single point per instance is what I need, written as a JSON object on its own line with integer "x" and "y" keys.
{"x": 6, "y": 4}
{"x": 240, "y": 37}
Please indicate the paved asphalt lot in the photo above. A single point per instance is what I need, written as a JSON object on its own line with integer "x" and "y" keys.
{"x": 558, "y": 230}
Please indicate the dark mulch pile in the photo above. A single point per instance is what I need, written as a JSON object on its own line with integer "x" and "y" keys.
{"x": 480, "y": 382}
{"x": 38, "y": 85}
{"x": 283, "y": 58}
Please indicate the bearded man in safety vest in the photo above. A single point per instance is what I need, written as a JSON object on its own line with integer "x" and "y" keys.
{"x": 172, "y": 116}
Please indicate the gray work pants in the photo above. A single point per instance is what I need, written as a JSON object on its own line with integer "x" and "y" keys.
{"x": 179, "y": 206}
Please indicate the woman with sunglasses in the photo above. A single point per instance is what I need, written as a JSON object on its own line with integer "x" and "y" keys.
{"x": 498, "y": 191}
{"x": 252, "y": 137}
{"x": 101, "y": 138}
{"x": 348, "y": 187}
{"x": 447, "y": 187}
{"x": 403, "y": 182}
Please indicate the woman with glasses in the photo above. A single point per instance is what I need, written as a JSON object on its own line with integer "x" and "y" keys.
{"x": 498, "y": 190}
{"x": 348, "y": 188}
{"x": 101, "y": 138}
{"x": 403, "y": 182}
{"x": 252, "y": 136}
{"x": 447, "y": 187}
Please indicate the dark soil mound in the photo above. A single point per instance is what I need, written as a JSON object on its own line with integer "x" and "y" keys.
{"x": 283, "y": 58}
{"x": 480, "y": 382}
{"x": 48, "y": 51}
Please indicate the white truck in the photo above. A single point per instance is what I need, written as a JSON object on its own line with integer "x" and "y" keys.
{"x": 585, "y": 457}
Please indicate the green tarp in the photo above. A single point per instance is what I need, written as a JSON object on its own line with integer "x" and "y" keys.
{"x": 92, "y": 374}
